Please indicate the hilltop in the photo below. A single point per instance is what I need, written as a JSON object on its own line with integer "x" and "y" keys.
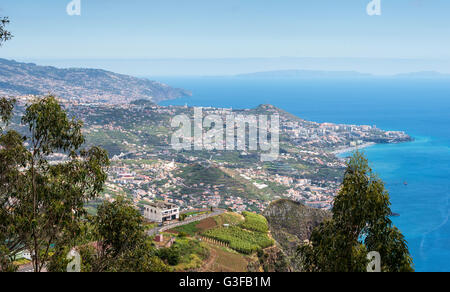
{"x": 84, "y": 85}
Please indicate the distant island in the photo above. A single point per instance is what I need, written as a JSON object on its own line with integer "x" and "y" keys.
{"x": 83, "y": 85}
{"x": 302, "y": 74}
{"x": 424, "y": 75}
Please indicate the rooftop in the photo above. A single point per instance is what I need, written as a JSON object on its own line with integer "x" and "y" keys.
{"x": 163, "y": 205}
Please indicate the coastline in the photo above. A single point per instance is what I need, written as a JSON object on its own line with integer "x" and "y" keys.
{"x": 354, "y": 148}
{"x": 416, "y": 161}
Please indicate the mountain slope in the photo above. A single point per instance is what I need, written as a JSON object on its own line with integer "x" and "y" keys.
{"x": 86, "y": 85}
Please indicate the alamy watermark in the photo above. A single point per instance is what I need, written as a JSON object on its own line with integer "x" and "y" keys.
{"x": 74, "y": 265}
{"x": 374, "y": 265}
{"x": 230, "y": 133}
{"x": 74, "y": 8}
{"x": 374, "y": 8}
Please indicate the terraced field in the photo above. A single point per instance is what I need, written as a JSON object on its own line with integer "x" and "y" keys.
{"x": 255, "y": 222}
{"x": 246, "y": 238}
{"x": 225, "y": 260}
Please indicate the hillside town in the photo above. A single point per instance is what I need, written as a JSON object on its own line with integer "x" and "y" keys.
{"x": 146, "y": 169}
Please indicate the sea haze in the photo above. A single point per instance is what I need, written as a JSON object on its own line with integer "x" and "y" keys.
{"x": 420, "y": 107}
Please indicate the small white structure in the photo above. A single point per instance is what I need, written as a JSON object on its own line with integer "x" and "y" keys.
{"x": 161, "y": 212}
{"x": 24, "y": 255}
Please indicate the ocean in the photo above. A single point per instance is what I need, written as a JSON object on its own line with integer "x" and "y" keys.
{"x": 419, "y": 107}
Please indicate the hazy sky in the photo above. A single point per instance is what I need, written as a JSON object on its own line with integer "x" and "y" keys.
{"x": 110, "y": 29}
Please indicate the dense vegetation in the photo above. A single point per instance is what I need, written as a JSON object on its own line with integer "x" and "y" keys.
{"x": 112, "y": 241}
{"x": 360, "y": 225}
{"x": 42, "y": 205}
{"x": 186, "y": 254}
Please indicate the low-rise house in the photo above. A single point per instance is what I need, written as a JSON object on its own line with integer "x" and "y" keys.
{"x": 161, "y": 212}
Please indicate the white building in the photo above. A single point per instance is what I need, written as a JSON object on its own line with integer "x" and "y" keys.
{"x": 161, "y": 212}
{"x": 24, "y": 255}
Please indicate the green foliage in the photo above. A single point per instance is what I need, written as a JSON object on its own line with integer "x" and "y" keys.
{"x": 119, "y": 227}
{"x": 197, "y": 174}
{"x": 255, "y": 222}
{"x": 42, "y": 204}
{"x": 186, "y": 254}
{"x": 50, "y": 127}
{"x": 142, "y": 258}
{"x": 4, "y": 34}
{"x": 121, "y": 242}
{"x": 6, "y": 111}
{"x": 243, "y": 241}
{"x": 13, "y": 185}
{"x": 360, "y": 224}
{"x": 188, "y": 247}
{"x": 142, "y": 102}
{"x": 58, "y": 261}
{"x": 171, "y": 255}
{"x": 190, "y": 229}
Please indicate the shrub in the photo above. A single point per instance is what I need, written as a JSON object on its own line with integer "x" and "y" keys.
{"x": 170, "y": 255}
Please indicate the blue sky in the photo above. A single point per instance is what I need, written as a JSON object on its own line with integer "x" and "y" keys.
{"x": 143, "y": 29}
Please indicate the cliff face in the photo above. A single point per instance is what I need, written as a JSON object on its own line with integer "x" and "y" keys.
{"x": 292, "y": 223}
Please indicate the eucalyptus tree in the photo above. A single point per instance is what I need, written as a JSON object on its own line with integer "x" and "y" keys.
{"x": 123, "y": 245}
{"x": 360, "y": 224}
{"x": 4, "y": 34}
{"x": 118, "y": 243}
{"x": 9, "y": 243}
{"x": 42, "y": 202}
{"x": 13, "y": 159}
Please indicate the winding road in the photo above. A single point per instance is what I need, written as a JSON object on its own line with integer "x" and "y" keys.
{"x": 159, "y": 229}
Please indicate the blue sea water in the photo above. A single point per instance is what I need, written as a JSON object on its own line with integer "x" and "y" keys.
{"x": 419, "y": 107}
